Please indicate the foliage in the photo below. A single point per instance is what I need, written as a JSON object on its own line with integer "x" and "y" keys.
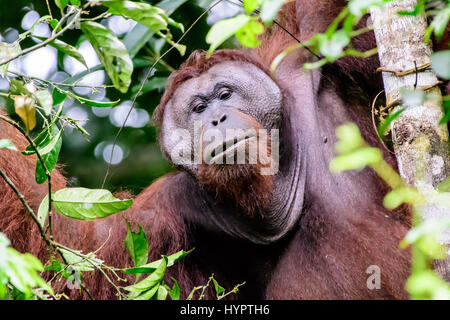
{"x": 354, "y": 154}
{"x": 19, "y": 274}
{"x": 37, "y": 108}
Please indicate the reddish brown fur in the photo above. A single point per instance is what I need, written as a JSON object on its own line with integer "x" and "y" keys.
{"x": 156, "y": 207}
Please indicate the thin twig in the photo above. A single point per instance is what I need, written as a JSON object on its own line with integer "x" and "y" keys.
{"x": 60, "y": 84}
{"x": 25, "y": 204}
{"x": 47, "y": 41}
{"x": 143, "y": 84}
{"x": 47, "y": 173}
{"x": 49, "y": 10}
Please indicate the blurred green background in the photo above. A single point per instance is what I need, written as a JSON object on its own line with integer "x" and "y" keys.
{"x": 137, "y": 159}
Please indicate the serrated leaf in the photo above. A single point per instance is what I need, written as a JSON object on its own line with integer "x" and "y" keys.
{"x": 25, "y": 108}
{"x": 66, "y": 49}
{"x": 7, "y": 144}
{"x": 111, "y": 52}
{"x": 88, "y": 204}
{"x": 136, "y": 244}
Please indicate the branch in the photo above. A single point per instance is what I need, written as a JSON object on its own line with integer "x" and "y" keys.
{"x": 47, "y": 173}
{"x": 52, "y": 38}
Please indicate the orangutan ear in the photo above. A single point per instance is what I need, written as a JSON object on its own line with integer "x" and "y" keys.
{"x": 316, "y": 16}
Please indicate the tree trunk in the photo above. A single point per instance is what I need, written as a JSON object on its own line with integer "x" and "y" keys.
{"x": 420, "y": 143}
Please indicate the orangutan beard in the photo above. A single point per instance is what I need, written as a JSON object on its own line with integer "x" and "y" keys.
{"x": 243, "y": 184}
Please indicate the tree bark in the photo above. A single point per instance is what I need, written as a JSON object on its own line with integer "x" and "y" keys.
{"x": 420, "y": 143}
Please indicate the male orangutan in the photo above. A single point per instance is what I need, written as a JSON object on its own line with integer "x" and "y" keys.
{"x": 300, "y": 233}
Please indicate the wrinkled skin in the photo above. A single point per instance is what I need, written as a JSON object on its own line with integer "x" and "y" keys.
{"x": 301, "y": 233}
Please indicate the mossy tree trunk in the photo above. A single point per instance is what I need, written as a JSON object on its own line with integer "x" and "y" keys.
{"x": 421, "y": 144}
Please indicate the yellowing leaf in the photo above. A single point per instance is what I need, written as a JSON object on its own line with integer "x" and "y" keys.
{"x": 26, "y": 110}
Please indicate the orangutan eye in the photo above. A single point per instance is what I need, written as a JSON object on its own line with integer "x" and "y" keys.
{"x": 199, "y": 107}
{"x": 225, "y": 94}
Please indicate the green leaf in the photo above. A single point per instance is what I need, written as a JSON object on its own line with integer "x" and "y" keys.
{"x": 7, "y": 144}
{"x": 412, "y": 97}
{"x": 20, "y": 270}
{"x": 111, "y": 52}
{"x": 248, "y": 34}
{"x": 7, "y": 51}
{"x": 17, "y": 87}
{"x": 250, "y": 5}
{"x": 62, "y": 4}
{"x": 356, "y": 160}
{"x": 81, "y": 262}
{"x": 440, "y": 62}
{"x": 148, "y": 283}
{"x": 65, "y": 93}
{"x": 140, "y": 34}
{"x": 269, "y": 10}
{"x": 398, "y": 196}
{"x": 162, "y": 293}
{"x": 88, "y": 204}
{"x": 58, "y": 96}
{"x": 45, "y": 100}
{"x": 43, "y": 211}
{"x": 333, "y": 48}
{"x": 349, "y": 138}
{"x": 427, "y": 285}
{"x": 217, "y": 287}
{"x": 75, "y": 2}
{"x": 446, "y": 107}
{"x": 439, "y": 24}
{"x": 137, "y": 245}
{"x": 66, "y": 49}
{"x": 360, "y": 7}
{"x": 49, "y": 157}
{"x": 387, "y": 122}
{"x": 224, "y": 29}
{"x": 43, "y": 139}
{"x": 433, "y": 227}
{"x": 175, "y": 292}
{"x": 150, "y": 267}
{"x": 150, "y": 16}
